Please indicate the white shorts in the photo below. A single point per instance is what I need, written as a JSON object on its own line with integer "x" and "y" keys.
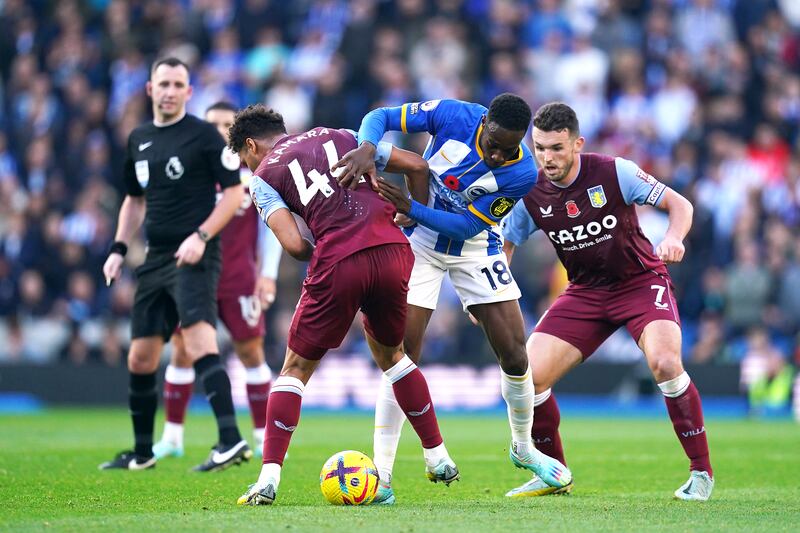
{"x": 477, "y": 280}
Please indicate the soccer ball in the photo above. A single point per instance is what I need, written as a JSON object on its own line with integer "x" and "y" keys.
{"x": 349, "y": 478}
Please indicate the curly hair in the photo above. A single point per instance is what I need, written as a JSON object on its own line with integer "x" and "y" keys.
{"x": 254, "y": 122}
{"x": 557, "y": 116}
{"x": 509, "y": 111}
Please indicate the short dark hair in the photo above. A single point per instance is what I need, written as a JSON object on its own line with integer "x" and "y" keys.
{"x": 222, "y": 105}
{"x": 254, "y": 122}
{"x": 557, "y": 116}
{"x": 170, "y": 62}
{"x": 509, "y": 111}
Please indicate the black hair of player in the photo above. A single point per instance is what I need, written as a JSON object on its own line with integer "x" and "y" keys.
{"x": 557, "y": 116}
{"x": 509, "y": 111}
{"x": 222, "y": 105}
{"x": 254, "y": 122}
{"x": 170, "y": 62}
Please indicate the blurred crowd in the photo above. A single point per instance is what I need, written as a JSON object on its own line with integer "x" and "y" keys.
{"x": 703, "y": 94}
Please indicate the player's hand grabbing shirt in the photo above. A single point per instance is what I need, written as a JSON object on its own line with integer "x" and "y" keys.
{"x": 461, "y": 183}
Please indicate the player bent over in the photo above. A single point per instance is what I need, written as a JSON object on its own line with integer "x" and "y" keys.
{"x": 479, "y": 168}
{"x": 584, "y": 204}
{"x": 361, "y": 261}
{"x": 243, "y": 294}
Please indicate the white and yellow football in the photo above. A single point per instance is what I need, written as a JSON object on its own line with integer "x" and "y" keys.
{"x": 349, "y": 478}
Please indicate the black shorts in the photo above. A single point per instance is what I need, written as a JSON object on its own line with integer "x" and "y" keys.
{"x": 167, "y": 295}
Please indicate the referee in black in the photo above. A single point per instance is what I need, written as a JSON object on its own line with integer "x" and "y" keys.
{"x": 172, "y": 169}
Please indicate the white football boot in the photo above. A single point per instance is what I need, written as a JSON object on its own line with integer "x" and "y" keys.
{"x": 697, "y": 488}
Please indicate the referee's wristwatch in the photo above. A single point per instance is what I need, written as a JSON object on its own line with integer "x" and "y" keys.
{"x": 204, "y": 236}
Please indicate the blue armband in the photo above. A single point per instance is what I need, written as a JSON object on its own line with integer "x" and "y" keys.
{"x": 456, "y": 226}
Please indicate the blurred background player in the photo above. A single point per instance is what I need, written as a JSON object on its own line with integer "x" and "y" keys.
{"x": 250, "y": 258}
{"x": 584, "y": 204}
{"x": 361, "y": 260}
{"x": 478, "y": 170}
{"x": 172, "y": 170}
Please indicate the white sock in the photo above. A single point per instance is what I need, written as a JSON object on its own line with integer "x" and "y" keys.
{"x": 676, "y": 386}
{"x": 518, "y": 393}
{"x": 173, "y": 433}
{"x": 433, "y": 456}
{"x": 269, "y": 471}
{"x": 179, "y": 376}
{"x": 258, "y": 375}
{"x": 389, "y": 419}
{"x": 542, "y": 397}
{"x": 400, "y": 369}
{"x": 258, "y": 435}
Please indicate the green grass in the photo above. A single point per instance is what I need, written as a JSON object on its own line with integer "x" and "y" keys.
{"x": 626, "y": 471}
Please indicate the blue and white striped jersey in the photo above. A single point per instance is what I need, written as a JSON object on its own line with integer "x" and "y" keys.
{"x": 460, "y": 180}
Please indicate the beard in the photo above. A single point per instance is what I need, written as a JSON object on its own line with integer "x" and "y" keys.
{"x": 562, "y": 173}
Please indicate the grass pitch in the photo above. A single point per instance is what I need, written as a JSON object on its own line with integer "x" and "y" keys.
{"x": 625, "y": 472}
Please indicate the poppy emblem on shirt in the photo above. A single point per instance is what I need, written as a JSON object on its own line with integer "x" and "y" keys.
{"x": 451, "y": 182}
{"x": 597, "y": 196}
{"x": 572, "y": 209}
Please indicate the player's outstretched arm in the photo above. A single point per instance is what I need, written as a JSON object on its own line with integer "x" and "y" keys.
{"x": 131, "y": 217}
{"x": 361, "y": 161}
{"x": 415, "y": 169}
{"x": 456, "y": 226}
{"x": 283, "y": 225}
{"x": 680, "y": 211}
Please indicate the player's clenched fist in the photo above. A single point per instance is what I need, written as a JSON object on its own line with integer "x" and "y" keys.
{"x": 670, "y": 250}
{"x": 191, "y": 250}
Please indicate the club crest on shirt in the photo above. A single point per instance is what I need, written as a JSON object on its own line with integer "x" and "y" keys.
{"x": 501, "y": 206}
{"x": 142, "y": 173}
{"x": 597, "y": 196}
{"x": 174, "y": 168}
{"x": 572, "y": 209}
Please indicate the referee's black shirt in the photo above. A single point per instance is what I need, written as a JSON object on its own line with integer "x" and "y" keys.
{"x": 176, "y": 168}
